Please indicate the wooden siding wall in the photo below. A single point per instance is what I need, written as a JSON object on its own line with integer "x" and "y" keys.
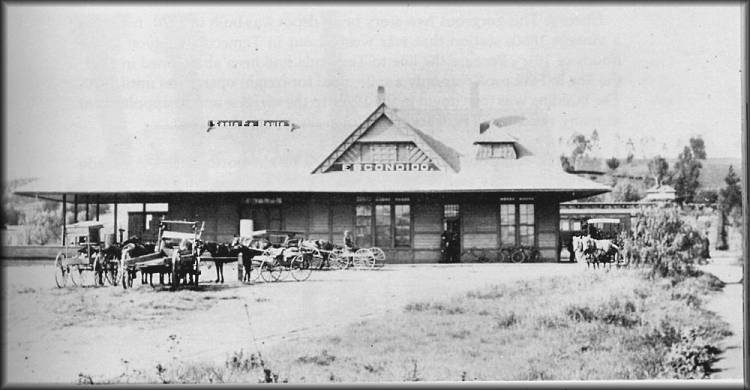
{"x": 220, "y": 213}
{"x": 325, "y": 217}
{"x": 547, "y": 215}
{"x": 479, "y": 224}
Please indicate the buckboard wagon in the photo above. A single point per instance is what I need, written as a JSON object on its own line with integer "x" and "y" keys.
{"x": 175, "y": 254}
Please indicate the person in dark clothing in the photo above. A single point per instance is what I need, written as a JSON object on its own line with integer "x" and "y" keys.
{"x": 706, "y": 244}
{"x": 571, "y": 252}
{"x": 349, "y": 241}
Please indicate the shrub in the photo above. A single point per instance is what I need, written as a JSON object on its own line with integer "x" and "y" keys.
{"x": 663, "y": 240}
{"x": 692, "y": 357}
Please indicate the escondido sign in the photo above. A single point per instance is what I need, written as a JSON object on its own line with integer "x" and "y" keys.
{"x": 387, "y": 167}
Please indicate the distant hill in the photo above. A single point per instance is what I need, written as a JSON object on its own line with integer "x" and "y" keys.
{"x": 713, "y": 170}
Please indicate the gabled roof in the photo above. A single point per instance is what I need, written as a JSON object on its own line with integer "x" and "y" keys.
{"x": 496, "y": 130}
{"x": 259, "y": 160}
{"x": 441, "y": 154}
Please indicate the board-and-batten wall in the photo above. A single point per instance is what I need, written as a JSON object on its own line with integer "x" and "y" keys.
{"x": 326, "y": 218}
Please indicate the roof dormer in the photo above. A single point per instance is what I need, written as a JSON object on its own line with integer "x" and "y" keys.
{"x": 504, "y": 150}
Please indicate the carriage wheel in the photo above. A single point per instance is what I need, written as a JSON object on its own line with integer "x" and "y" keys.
{"x": 74, "y": 274}
{"x": 379, "y": 257}
{"x": 270, "y": 272}
{"x": 362, "y": 258}
{"x": 337, "y": 259}
{"x": 300, "y": 268}
{"x": 61, "y": 270}
{"x": 254, "y": 271}
{"x": 518, "y": 256}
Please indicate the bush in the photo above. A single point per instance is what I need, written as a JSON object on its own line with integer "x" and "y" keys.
{"x": 663, "y": 240}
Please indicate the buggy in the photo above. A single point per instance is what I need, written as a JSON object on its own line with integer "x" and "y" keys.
{"x": 82, "y": 252}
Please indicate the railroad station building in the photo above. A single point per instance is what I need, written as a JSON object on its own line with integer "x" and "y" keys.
{"x": 391, "y": 183}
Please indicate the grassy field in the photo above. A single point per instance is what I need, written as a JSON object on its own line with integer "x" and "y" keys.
{"x": 595, "y": 326}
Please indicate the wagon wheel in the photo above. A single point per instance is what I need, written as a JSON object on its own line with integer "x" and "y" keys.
{"x": 378, "y": 256}
{"x": 61, "y": 270}
{"x": 75, "y": 275}
{"x": 362, "y": 258}
{"x": 518, "y": 256}
{"x": 175, "y": 272}
{"x": 254, "y": 270}
{"x": 337, "y": 259}
{"x": 300, "y": 268}
{"x": 270, "y": 272}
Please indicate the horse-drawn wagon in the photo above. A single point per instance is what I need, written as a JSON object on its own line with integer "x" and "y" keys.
{"x": 279, "y": 252}
{"x": 175, "y": 254}
{"x": 601, "y": 244}
{"x": 82, "y": 253}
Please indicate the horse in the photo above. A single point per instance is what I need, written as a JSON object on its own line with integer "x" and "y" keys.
{"x": 595, "y": 250}
{"x": 219, "y": 251}
{"x": 324, "y": 247}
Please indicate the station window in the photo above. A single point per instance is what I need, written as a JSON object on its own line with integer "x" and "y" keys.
{"x": 387, "y": 220}
{"x": 504, "y": 150}
{"x": 517, "y": 224}
{"x": 450, "y": 211}
{"x": 564, "y": 225}
{"x": 363, "y": 229}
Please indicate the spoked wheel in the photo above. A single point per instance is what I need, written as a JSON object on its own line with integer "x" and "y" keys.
{"x": 337, "y": 259}
{"x": 518, "y": 256}
{"x": 270, "y": 272}
{"x": 378, "y": 257}
{"x": 363, "y": 258}
{"x": 75, "y": 275}
{"x": 300, "y": 268}
{"x": 61, "y": 270}
{"x": 254, "y": 271}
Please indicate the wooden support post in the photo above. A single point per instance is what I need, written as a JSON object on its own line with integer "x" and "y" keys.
{"x": 75, "y": 208}
{"x": 64, "y": 217}
{"x": 97, "y": 208}
{"x": 144, "y": 220}
{"x": 87, "y": 209}
{"x": 115, "y": 228}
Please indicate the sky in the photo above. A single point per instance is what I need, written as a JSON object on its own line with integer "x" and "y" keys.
{"x": 87, "y": 85}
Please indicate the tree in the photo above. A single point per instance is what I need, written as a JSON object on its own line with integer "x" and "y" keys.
{"x": 628, "y": 191}
{"x": 731, "y": 194}
{"x": 707, "y": 196}
{"x": 631, "y": 151}
{"x": 658, "y": 168}
{"x": 581, "y": 145}
{"x": 566, "y": 165}
{"x": 613, "y": 163}
{"x": 685, "y": 176}
{"x": 698, "y": 148}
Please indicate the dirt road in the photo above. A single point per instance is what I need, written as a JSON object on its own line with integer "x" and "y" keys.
{"x": 54, "y": 334}
{"x": 729, "y": 305}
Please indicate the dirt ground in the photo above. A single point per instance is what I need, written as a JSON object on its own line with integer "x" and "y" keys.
{"x": 54, "y": 334}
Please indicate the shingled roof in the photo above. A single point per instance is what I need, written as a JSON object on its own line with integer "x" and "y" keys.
{"x": 265, "y": 160}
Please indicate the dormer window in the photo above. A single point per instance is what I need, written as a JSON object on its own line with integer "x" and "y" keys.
{"x": 505, "y": 150}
